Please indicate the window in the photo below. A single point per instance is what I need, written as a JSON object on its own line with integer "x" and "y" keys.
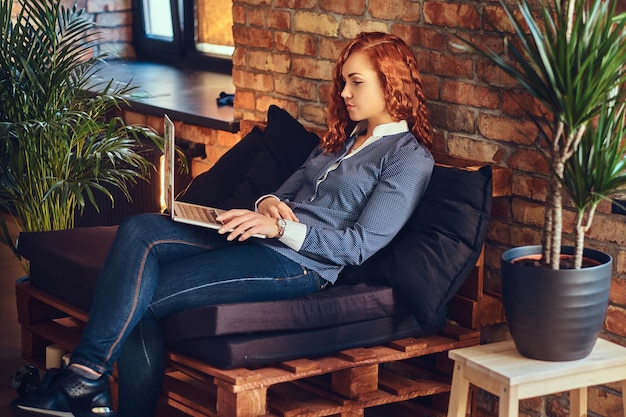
{"x": 185, "y": 32}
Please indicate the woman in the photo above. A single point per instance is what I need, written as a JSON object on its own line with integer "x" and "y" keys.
{"x": 347, "y": 201}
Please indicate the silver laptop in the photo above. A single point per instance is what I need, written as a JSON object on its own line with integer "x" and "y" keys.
{"x": 181, "y": 211}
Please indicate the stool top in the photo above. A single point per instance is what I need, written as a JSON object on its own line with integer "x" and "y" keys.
{"x": 503, "y": 362}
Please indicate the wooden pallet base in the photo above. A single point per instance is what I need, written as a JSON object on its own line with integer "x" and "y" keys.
{"x": 345, "y": 384}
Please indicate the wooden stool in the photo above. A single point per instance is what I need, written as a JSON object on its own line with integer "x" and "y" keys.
{"x": 501, "y": 370}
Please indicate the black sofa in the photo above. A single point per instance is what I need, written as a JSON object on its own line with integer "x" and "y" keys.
{"x": 401, "y": 291}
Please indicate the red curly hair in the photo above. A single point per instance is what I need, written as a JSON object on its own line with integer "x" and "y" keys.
{"x": 400, "y": 79}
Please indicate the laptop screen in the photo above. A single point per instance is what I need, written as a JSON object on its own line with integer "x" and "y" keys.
{"x": 168, "y": 162}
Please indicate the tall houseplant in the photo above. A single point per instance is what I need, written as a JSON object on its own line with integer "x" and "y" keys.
{"x": 571, "y": 60}
{"x": 58, "y": 144}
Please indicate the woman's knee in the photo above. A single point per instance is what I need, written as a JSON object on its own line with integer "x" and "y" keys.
{"x": 141, "y": 226}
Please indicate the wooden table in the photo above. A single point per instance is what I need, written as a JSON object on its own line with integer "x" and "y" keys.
{"x": 501, "y": 370}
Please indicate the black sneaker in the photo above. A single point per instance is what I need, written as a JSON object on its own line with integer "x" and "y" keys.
{"x": 67, "y": 394}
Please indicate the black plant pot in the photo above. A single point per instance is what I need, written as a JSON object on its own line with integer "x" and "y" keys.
{"x": 555, "y": 315}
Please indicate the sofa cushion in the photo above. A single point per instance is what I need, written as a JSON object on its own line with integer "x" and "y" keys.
{"x": 336, "y": 305}
{"x": 257, "y": 165}
{"x": 428, "y": 261}
{"x": 272, "y": 347}
{"x": 67, "y": 263}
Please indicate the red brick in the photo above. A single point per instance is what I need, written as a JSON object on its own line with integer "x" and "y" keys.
{"x": 296, "y": 4}
{"x": 301, "y": 44}
{"x": 119, "y": 34}
{"x": 430, "y": 87}
{"x": 330, "y": 48}
{"x": 445, "y": 65}
{"x": 439, "y": 140}
{"x": 99, "y": 6}
{"x": 529, "y": 186}
{"x": 114, "y": 19}
{"x": 493, "y": 75}
{"x": 244, "y": 100}
{"x": 499, "y": 232}
{"x": 278, "y": 19}
{"x": 351, "y": 27}
{"x": 528, "y": 213}
{"x": 452, "y": 118}
{"x": 253, "y": 37}
{"x": 269, "y": 61}
{"x": 395, "y": 10}
{"x": 470, "y": 94}
{"x": 527, "y": 160}
{"x": 351, "y": 7}
{"x": 240, "y": 57}
{"x": 604, "y": 402}
{"x": 296, "y": 87}
{"x": 264, "y": 101}
{"x": 324, "y": 24}
{"x": 505, "y": 129}
{"x": 488, "y": 41}
{"x": 608, "y": 229}
{"x": 620, "y": 262}
{"x": 615, "y": 321}
{"x": 314, "y": 113}
{"x": 252, "y": 80}
{"x": 310, "y": 67}
{"x": 416, "y": 36}
{"x": 253, "y": 2}
{"x": 495, "y": 16}
{"x": 472, "y": 149}
{"x": 324, "y": 91}
{"x": 618, "y": 291}
{"x": 518, "y": 104}
{"x": 256, "y": 17}
{"x": 239, "y": 15}
{"x": 521, "y": 236}
{"x": 452, "y": 15}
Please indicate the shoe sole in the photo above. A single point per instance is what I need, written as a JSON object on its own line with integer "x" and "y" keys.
{"x": 22, "y": 411}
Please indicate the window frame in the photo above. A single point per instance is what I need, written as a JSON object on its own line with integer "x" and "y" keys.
{"x": 181, "y": 51}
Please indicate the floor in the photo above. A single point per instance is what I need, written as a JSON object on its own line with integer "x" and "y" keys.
{"x": 10, "y": 359}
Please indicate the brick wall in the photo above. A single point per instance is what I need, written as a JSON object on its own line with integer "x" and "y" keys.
{"x": 285, "y": 50}
{"x": 114, "y": 21}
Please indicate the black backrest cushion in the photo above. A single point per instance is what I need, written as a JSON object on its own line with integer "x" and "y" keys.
{"x": 257, "y": 165}
{"x": 287, "y": 140}
{"x": 428, "y": 261}
{"x": 215, "y": 185}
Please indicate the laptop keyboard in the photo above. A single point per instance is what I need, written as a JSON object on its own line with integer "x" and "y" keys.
{"x": 195, "y": 212}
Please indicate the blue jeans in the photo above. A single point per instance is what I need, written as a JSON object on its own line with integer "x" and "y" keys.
{"x": 157, "y": 267}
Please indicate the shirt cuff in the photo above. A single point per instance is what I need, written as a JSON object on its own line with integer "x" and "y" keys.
{"x": 263, "y": 197}
{"x": 294, "y": 235}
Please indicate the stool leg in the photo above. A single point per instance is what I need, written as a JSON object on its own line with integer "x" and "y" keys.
{"x": 578, "y": 402}
{"x": 457, "y": 406}
{"x": 624, "y": 396}
{"x": 509, "y": 402}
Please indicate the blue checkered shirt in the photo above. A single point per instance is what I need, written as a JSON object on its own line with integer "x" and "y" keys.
{"x": 353, "y": 205}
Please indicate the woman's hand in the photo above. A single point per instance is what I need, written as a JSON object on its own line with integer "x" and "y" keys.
{"x": 241, "y": 224}
{"x": 273, "y": 207}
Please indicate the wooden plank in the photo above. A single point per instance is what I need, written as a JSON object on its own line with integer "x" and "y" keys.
{"x": 189, "y": 393}
{"x": 300, "y": 365}
{"x": 354, "y": 382}
{"x": 357, "y": 354}
{"x": 399, "y": 385}
{"x": 464, "y": 311}
{"x": 24, "y": 288}
{"x": 491, "y": 310}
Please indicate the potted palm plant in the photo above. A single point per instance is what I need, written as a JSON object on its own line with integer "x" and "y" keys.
{"x": 571, "y": 60}
{"x": 59, "y": 142}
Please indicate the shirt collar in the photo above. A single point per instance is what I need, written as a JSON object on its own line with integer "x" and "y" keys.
{"x": 385, "y": 129}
